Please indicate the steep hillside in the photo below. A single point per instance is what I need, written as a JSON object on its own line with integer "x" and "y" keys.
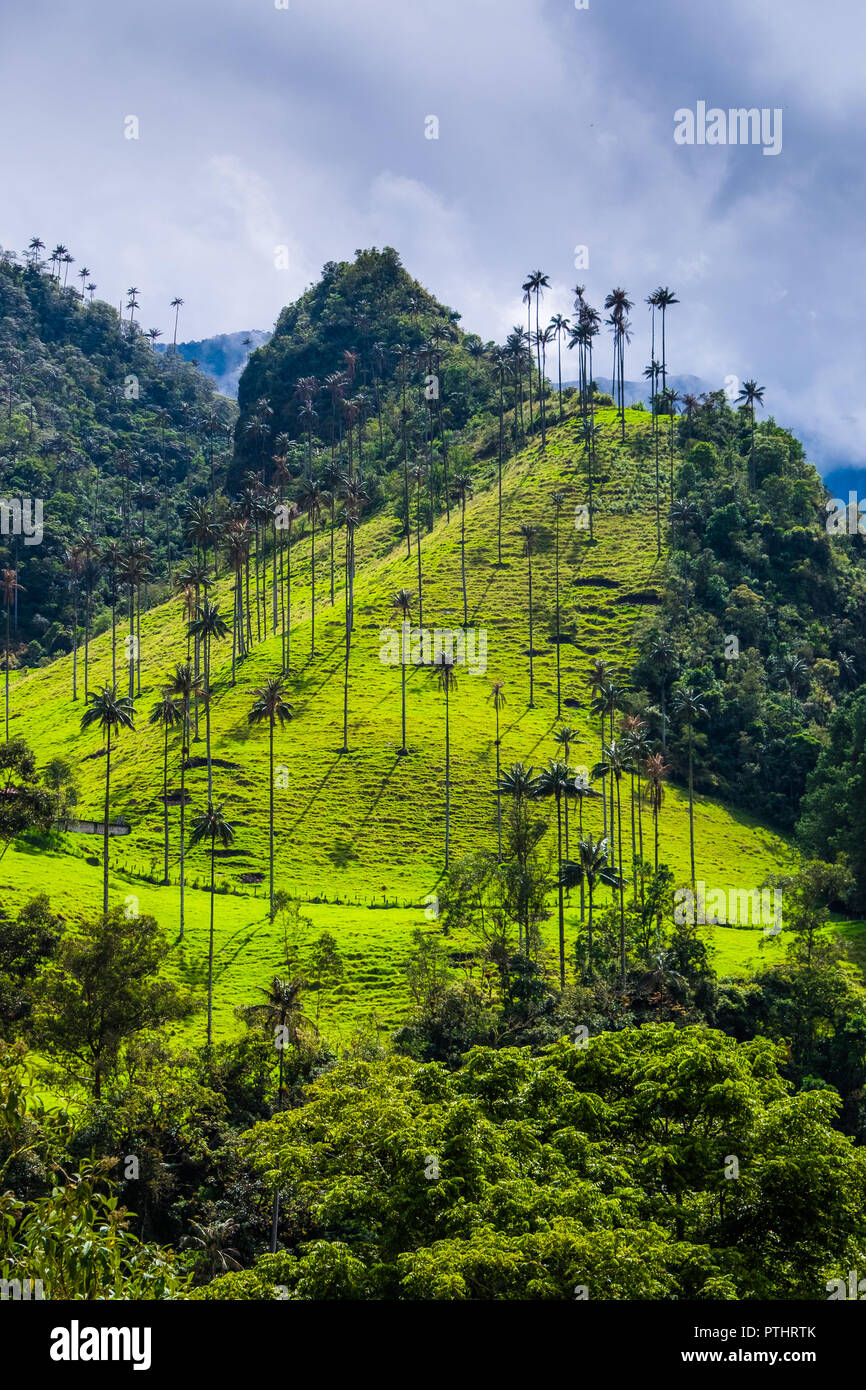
{"x": 367, "y": 827}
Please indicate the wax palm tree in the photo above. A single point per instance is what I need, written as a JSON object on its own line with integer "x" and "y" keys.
{"x": 186, "y": 686}
{"x": 462, "y": 491}
{"x": 35, "y": 245}
{"x": 88, "y": 550}
{"x": 112, "y": 560}
{"x": 211, "y": 825}
{"x": 311, "y": 503}
{"x": 446, "y": 680}
{"x": 615, "y": 763}
{"x": 166, "y": 712}
{"x": 559, "y": 325}
{"x": 208, "y": 627}
{"x": 419, "y": 473}
{"x": 604, "y": 706}
{"x": 238, "y": 539}
{"x": 555, "y": 781}
{"x": 497, "y": 699}
{"x": 663, "y": 659}
{"x": 281, "y": 1014}
{"x": 538, "y": 282}
{"x": 687, "y": 706}
{"x": 270, "y": 704}
{"x": 582, "y": 790}
{"x": 656, "y": 770}
{"x": 558, "y": 500}
{"x": 564, "y": 738}
{"x": 177, "y": 305}
{"x": 591, "y": 869}
{"x": 635, "y": 745}
{"x": 10, "y": 587}
{"x": 111, "y": 713}
{"x": 526, "y": 337}
{"x": 402, "y": 602}
{"x": 847, "y": 668}
{"x": 521, "y": 784}
{"x": 211, "y": 1240}
{"x": 664, "y": 298}
{"x": 793, "y": 672}
{"x": 529, "y": 535}
{"x": 751, "y": 394}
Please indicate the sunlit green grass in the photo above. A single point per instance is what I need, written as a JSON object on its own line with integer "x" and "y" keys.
{"x": 369, "y": 825}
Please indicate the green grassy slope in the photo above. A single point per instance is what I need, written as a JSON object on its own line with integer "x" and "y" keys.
{"x": 369, "y": 825}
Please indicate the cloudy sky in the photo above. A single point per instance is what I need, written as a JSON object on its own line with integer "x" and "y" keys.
{"x": 305, "y": 128}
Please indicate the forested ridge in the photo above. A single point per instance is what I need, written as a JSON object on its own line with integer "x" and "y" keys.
{"x": 575, "y": 1094}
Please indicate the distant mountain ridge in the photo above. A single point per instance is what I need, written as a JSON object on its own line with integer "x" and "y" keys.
{"x": 639, "y": 390}
{"x": 223, "y": 357}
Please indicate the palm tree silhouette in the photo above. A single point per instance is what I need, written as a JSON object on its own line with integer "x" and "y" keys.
{"x": 538, "y": 282}
{"x": 688, "y": 707}
{"x": 559, "y": 325}
{"x": 663, "y": 299}
{"x": 521, "y": 784}
{"x": 462, "y": 490}
{"x": 564, "y": 738}
{"x": 751, "y": 394}
{"x": 185, "y": 685}
{"x": 211, "y": 825}
{"x": 211, "y": 1239}
{"x": 402, "y": 601}
{"x": 529, "y": 534}
{"x": 207, "y": 627}
{"x": 281, "y": 1014}
{"x": 499, "y": 358}
{"x": 558, "y": 500}
{"x": 166, "y": 712}
{"x": 311, "y": 502}
{"x": 656, "y": 771}
{"x": 177, "y": 305}
{"x": 615, "y": 763}
{"x": 582, "y": 790}
{"x": 446, "y": 680}
{"x": 590, "y": 868}
{"x": 270, "y": 704}
{"x": 555, "y": 781}
{"x": 111, "y": 713}
{"x": 418, "y": 476}
{"x": 663, "y": 659}
{"x": 497, "y": 699}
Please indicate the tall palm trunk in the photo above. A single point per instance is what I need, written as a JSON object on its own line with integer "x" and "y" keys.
{"x": 498, "y": 793}
{"x": 7, "y": 672}
{"x": 692, "y": 812}
{"x": 210, "y": 945}
{"x": 463, "y": 560}
{"x": 447, "y": 778}
{"x": 621, "y": 888}
{"x": 313, "y": 580}
{"x": 559, "y": 884}
{"x": 271, "y": 815}
{"x": 531, "y": 672}
{"x": 558, "y": 672}
{"x": 184, "y": 737}
{"x": 404, "y": 634}
{"x": 165, "y": 805}
{"x": 105, "y": 826}
{"x": 418, "y": 548}
{"x": 207, "y": 715}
